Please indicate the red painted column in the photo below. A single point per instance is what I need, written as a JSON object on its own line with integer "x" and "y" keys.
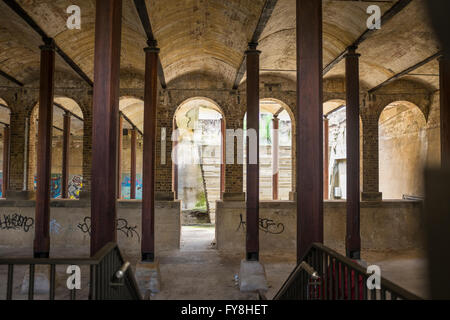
{"x": 326, "y": 159}
{"x": 108, "y": 25}
{"x": 5, "y": 161}
{"x": 309, "y": 126}
{"x": 353, "y": 238}
{"x": 252, "y": 199}
{"x": 444, "y": 76}
{"x": 148, "y": 183}
{"x": 44, "y": 151}
{"x": 275, "y": 157}
{"x": 65, "y": 157}
{"x": 133, "y": 165}
{"x": 119, "y": 158}
{"x": 223, "y": 159}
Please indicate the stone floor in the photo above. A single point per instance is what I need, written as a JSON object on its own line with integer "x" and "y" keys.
{"x": 199, "y": 272}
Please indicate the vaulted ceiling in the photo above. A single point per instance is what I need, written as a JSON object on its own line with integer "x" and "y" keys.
{"x": 211, "y": 36}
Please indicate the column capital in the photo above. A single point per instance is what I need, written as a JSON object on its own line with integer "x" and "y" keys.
{"x": 49, "y": 44}
{"x": 351, "y": 52}
{"x": 252, "y": 48}
{"x": 152, "y": 46}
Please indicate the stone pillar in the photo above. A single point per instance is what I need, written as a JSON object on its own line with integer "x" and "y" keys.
{"x": 353, "y": 238}
{"x": 175, "y": 157}
{"x": 326, "y": 159}
{"x": 119, "y": 157}
{"x": 148, "y": 183}
{"x": 44, "y": 154}
{"x": 5, "y": 160}
{"x": 87, "y": 155}
{"x": 133, "y": 165}
{"x": 17, "y": 170}
{"x": 223, "y": 158}
{"x": 444, "y": 76}
{"x": 234, "y": 166}
{"x": 108, "y": 25}
{"x": 65, "y": 156}
{"x": 371, "y": 185}
{"x": 309, "y": 126}
{"x": 275, "y": 157}
{"x": 252, "y": 198}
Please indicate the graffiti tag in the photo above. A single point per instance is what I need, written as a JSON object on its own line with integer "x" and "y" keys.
{"x": 121, "y": 225}
{"x": 16, "y": 222}
{"x": 265, "y": 225}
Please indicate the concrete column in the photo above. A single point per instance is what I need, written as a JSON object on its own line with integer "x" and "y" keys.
{"x": 353, "y": 238}
{"x": 108, "y": 25}
{"x": 133, "y": 165}
{"x": 309, "y": 126}
{"x": 148, "y": 183}
{"x": 252, "y": 196}
{"x": 371, "y": 184}
{"x": 326, "y": 159}
{"x": 65, "y": 157}
{"x": 44, "y": 153}
{"x": 275, "y": 157}
{"x": 5, "y": 160}
{"x": 444, "y": 76}
{"x": 119, "y": 157}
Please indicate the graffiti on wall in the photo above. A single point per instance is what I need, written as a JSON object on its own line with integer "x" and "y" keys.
{"x": 75, "y": 185}
{"x": 121, "y": 226}
{"x": 16, "y": 222}
{"x": 126, "y": 186}
{"x": 265, "y": 225}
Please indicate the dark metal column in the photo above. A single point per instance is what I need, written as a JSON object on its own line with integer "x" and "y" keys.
{"x": 444, "y": 76}
{"x": 108, "y": 25}
{"x": 133, "y": 165}
{"x": 44, "y": 150}
{"x": 353, "y": 238}
{"x": 252, "y": 201}
{"x": 275, "y": 157}
{"x": 65, "y": 157}
{"x": 148, "y": 183}
{"x": 309, "y": 126}
{"x": 5, "y": 161}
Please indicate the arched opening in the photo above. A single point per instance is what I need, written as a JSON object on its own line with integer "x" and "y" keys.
{"x": 335, "y": 150}
{"x": 275, "y": 151}
{"x": 402, "y": 150}
{"x": 198, "y": 166}
{"x": 5, "y": 145}
{"x": 67, "y": 115}
{"x": 131, "y": 111}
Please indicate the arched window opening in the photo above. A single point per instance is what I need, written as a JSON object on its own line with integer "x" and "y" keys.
{"x": 403, "y": 146}
{"x": 275, "y": 151}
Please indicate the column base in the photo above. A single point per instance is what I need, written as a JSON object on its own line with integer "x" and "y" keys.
{"x": 252, "y": 277}
{"x": 148, "y": 277}
{"x": 41, "y": 255}
{"x": 233, "y": 196}
{"x": 371, "y": 196}
{"x": 148, "y": 257}
{"x": 20, "y": 195}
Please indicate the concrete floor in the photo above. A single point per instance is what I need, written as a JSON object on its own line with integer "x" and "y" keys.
{"x": 199, "y": 272}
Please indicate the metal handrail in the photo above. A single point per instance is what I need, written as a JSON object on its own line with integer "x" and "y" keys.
{"x": 105, "y": 265}
{"x": 341, "y": 278}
